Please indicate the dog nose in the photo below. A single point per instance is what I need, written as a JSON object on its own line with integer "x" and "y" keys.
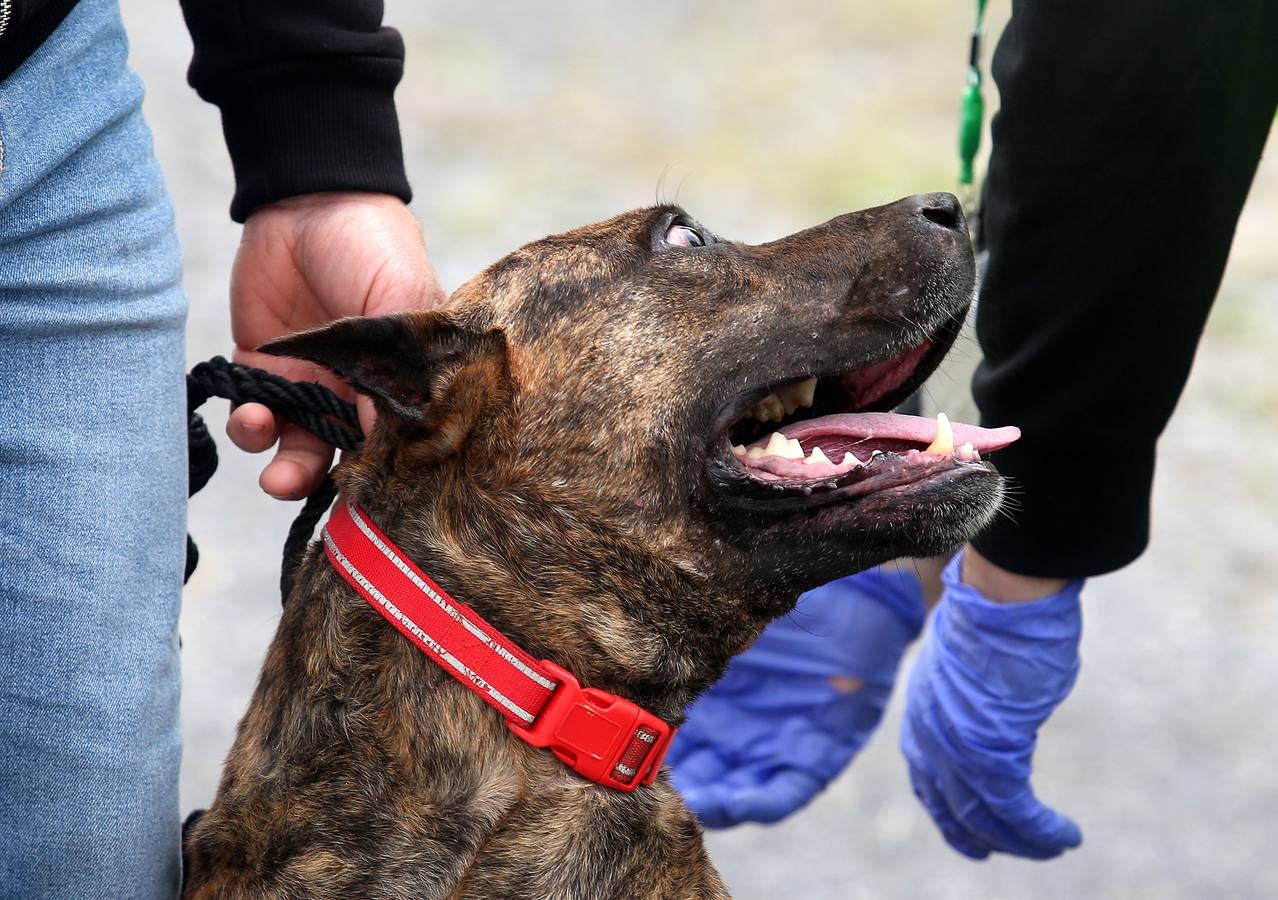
{"x": 942, "y": 209}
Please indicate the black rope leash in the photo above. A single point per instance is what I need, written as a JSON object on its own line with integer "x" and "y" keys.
{"x": 308, "y": 404}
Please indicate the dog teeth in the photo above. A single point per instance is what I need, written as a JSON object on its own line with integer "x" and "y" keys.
{"x": 944, "y": 443}
{"x": 804, "y": 392}
{"x": 798, "y": 394}
{"x": 738, "y": 450}
{"x": 851, "y": 459}
{"x": 769, "y": 409}
{"x": 778, "y": 445}
{"x": 968, "y": 452}
{"x": 817, "y": 456}
{"x": 779, "y": 404}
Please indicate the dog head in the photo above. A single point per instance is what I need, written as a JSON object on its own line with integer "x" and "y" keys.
{"x": 677, "y": 386}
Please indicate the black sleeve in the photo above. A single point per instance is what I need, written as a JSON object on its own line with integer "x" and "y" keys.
{"x": 1128, "y": 136}
{"x": 306, "y": 90}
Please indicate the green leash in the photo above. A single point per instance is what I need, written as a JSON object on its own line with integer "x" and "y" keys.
{"x": 972, "y": 115}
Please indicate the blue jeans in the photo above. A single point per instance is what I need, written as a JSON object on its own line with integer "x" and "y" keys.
{"x": 92, "y": 478}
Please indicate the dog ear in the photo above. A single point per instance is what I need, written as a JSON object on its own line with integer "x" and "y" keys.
{"x": 412, "y": 365}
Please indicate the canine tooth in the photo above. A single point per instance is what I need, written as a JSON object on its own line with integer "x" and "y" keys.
{"x": 778, "y": 445}
{"x": 944, "y": 443}
{"x": 804, "y": 392}
{"x": 816, "y": 456}
{"x": 738, "y": 450}
{"x": 798, "y": 394}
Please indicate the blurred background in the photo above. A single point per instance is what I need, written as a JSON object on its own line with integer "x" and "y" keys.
{"x": 521, "y": 119}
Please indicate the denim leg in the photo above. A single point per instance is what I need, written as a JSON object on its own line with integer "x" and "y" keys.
{"x": 92, "y": 478}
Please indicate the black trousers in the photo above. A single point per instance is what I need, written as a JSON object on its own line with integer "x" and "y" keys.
{"x": 1128, "y": 137}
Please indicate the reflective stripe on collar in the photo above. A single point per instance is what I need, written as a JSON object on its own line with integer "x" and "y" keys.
{"x": 604, "y": 737}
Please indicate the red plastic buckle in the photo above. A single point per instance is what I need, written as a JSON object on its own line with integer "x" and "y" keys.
{"x": 590, "y": 731}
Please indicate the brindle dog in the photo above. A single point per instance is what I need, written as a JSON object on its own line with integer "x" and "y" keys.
{"x": 555, "y": 448}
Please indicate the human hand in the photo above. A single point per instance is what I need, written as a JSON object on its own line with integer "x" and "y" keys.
{"x": 303, "y": 262}
{"x": 792, "y": 711}
{"x": 988, "y": 676}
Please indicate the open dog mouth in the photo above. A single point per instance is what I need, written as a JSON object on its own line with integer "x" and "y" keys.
{"x": 822, "y": 438}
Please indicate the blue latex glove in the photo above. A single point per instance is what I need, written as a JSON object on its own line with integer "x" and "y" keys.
{"x": 987, "y": 677}
{"x": 777, "y": 728}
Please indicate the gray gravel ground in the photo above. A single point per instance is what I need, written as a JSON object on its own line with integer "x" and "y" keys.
{"x": 521, "y": 119}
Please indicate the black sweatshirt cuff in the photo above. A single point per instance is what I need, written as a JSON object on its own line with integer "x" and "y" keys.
{"x": 321, "y": 124}
{"x": 1067, "y": 517}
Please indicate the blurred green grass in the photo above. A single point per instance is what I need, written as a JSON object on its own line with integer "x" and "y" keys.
{"x": 761, "y": 119}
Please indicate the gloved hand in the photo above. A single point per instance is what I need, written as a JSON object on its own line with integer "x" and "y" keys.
{"x": 793, "y": 710}
{"x": 987, "y": 677}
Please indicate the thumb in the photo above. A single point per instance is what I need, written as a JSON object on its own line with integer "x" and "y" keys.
{"x": 367, "y": 414}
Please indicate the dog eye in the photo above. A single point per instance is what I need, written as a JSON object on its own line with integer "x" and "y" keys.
{"x": 683, "y": 236}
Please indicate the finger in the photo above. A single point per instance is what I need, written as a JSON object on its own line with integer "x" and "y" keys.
{"x": 802, "y": 744}
{"x": 854, "y": 716}
{"x": 252, "y": 428}
{"x": 699, "y": 767}
{"x": 1039, "y": 823}
{"x": 1060, "y": 829}
{"x": 367, "y": 413}
{"x": 685, "y": 742}
{"x": 299, "y": 464}
{"x": 302, "y": 459}
{"x": 954, "y": 833}
{"x": 928, "y": 789}
{"x": 293, "y": 370}
{"x": 785, "y": 792}
{"x": 1024, "y": 827}
{"x": 706, "y": 803}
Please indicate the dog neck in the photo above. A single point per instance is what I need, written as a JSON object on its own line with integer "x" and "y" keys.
{"x": 353, "y": 727}
{"x": 566, "y": 584}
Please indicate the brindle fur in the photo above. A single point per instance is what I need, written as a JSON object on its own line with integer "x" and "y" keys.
{"x": 541, "y": 452}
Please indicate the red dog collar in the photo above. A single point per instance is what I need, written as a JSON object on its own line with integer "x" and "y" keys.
{"x": 601, "y": 736}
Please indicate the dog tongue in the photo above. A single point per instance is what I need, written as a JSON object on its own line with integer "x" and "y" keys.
{"x": 864, "y": 427}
